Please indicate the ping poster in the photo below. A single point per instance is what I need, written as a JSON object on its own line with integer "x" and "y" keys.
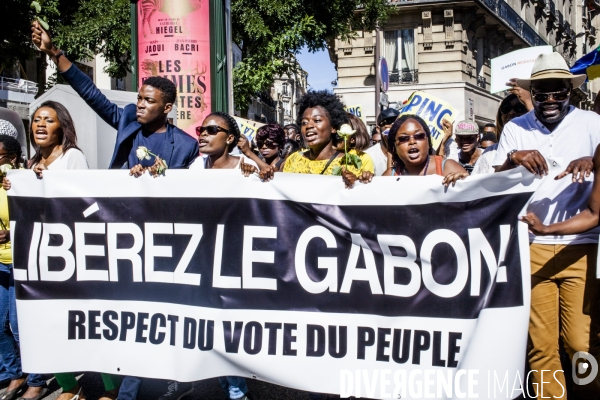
{"x": 433, "y": 110}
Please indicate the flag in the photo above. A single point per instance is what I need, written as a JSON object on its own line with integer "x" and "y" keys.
{"x": 588, "y": 64}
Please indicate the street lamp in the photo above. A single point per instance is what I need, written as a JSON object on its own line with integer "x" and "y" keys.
{"x": 580, "y": 34}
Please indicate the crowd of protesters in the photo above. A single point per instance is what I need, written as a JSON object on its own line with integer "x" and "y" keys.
{"x": 535, "y": 126}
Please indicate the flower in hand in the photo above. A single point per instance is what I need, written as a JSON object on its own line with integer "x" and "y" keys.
{"x": 143, "y": 153}
{"x": 345, "y": 132}
{"x": 4, "y": 169}
{"x": 159, "y": 167}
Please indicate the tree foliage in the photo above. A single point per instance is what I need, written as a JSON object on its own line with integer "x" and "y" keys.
{"x": 272, "y": 32}
{"x": 15, "y": 35}
{"x": 98, "y": 27}
{"x": 81, "y": 28}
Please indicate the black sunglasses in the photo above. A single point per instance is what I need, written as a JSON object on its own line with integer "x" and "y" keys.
{"x": 268, "y": 142}
{"x": 210, "y": 129}
{"x": 557, "y": 96}
{"x": 406, "y": 138}
{"x": 518, "y": 108}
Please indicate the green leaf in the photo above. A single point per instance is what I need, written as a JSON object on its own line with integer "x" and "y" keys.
{"x": 43, "y": 23}
{"x": 337, "y": 170}
{"x": 36, "y": 7}
{"x": 355, "y": 160}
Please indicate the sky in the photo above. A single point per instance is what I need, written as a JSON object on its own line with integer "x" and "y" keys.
{"x": 321, "y": 71}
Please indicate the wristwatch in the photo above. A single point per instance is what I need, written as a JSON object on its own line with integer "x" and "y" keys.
{"x": 57, "y": 55}
{"x": 509, "y": 156}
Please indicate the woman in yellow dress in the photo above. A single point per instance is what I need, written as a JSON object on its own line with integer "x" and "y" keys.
{"x": 320, "y": 116}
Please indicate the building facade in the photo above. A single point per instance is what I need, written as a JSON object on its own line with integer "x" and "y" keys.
{"x": 286, "y": 91}
{"x": 444, "y": 48}
{"x": 280, "y": 103}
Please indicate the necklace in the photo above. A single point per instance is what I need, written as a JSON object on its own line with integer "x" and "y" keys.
{"x": 405, "y": 171}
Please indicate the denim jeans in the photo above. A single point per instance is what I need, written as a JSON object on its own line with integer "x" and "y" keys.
{"x": 234, "y": 386}
{"x": 129, "y": 388}
{"x": 9, "y": 330}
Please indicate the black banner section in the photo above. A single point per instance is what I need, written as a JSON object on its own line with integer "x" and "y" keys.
{"x": 260, "y": 247}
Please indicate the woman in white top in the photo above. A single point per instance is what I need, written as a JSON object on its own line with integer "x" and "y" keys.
{"x": 55, "y": 143}
{"x": 217, "y": 136}
{"x": 54, "y": 140}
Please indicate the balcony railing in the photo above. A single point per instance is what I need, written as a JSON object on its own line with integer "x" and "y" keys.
{"x": 504, "y": 11}
{"x": 404, "y": 77}
{"x": 552, "y": 9}
{"x": 481, "y": 81}
{"x": 18, "y": 85}
{"x": 560, "y": 18}
{"x": 514, "y": 20}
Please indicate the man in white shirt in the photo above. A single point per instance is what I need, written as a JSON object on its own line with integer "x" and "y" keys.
{"x": 378, "y": 152}
{"x": 564, "y": 290}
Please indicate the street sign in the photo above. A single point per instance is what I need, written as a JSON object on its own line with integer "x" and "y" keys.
{"x": 383, "y": 100}
{"x": 384, "y": 75}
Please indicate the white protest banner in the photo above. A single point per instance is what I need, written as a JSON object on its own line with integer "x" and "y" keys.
{"x": 433, "y": 111}
{"x": 516, "y": 64}
{"x": 297, "y": 281}
{"x": 248, "y": 127}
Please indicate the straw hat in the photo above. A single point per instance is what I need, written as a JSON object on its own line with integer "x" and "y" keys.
{"x": 551, "y": 66}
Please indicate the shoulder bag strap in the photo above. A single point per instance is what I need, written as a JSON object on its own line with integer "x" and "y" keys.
{"x": 329, "y": 162}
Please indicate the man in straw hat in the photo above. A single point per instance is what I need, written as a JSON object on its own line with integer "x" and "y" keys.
{"x": 564, "y": 289}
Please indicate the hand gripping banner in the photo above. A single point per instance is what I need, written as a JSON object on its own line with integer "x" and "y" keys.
{"x": 396, "y": 288}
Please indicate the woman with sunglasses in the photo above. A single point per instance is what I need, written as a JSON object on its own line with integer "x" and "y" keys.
{"x": 270, "y": 139}
{"x": 320, "y": 115}
{"x": 413, "y": 153}
{"x": 511, "y": 107}
{"x": 217, "y": 137}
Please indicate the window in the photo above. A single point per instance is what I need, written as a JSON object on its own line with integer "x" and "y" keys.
{"x": 399, "y": 50}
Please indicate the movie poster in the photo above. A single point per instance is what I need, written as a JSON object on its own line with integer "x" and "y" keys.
{"x": 174, "y": 42}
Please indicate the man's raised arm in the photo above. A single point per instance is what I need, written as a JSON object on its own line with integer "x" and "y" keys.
{"x": 79, "y": 81}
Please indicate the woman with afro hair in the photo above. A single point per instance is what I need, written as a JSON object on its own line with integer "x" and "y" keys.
{"x": 320, "y": 116}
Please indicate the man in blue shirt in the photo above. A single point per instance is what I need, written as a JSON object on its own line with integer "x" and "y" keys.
{"x": 141, "y": 124}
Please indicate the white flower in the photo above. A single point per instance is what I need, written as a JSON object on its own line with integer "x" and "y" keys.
{"x": 142, "y": 153}
{"x": 346, "y": 130}
{"x": 5, "y": 168}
